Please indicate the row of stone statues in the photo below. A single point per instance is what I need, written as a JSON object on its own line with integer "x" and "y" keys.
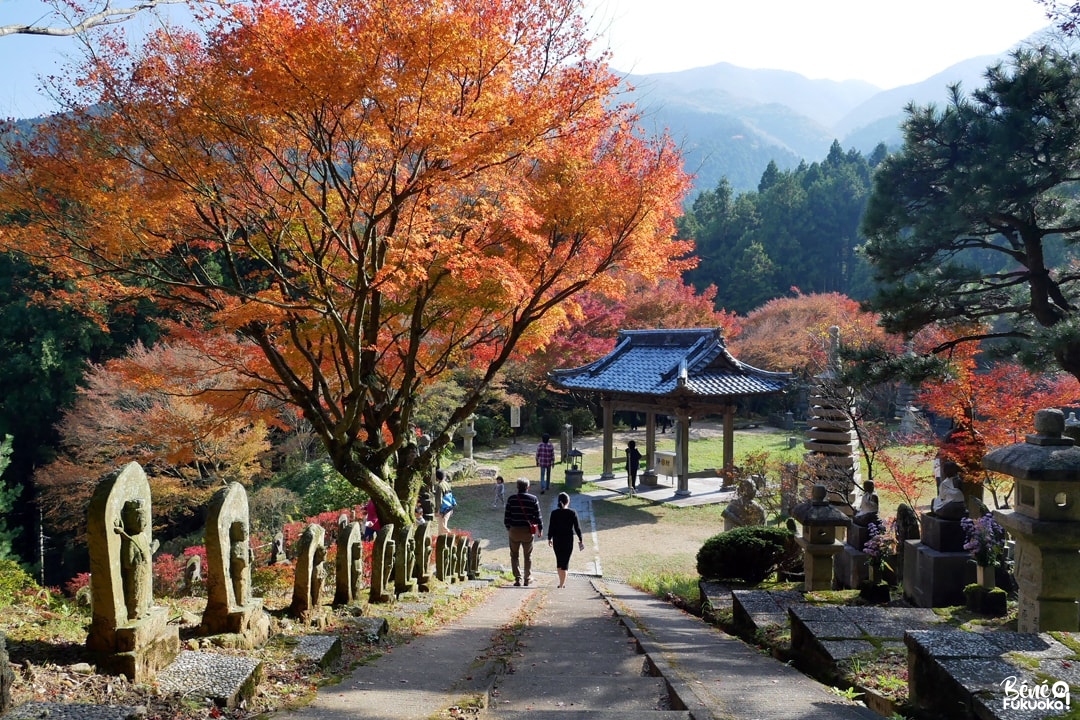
{"x": 129, "y": 635}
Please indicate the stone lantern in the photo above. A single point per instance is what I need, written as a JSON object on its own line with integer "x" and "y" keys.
{"x": 467, "y": 434}
{"x": 819, "y": 519}
{"x": 1045, "y": 523}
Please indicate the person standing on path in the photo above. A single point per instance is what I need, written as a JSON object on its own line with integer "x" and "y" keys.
{"x": 545, "y": 460}
{"x": 633, "y": 462}
{"x": 444, "y": 501}
{"x": 562, "y": 527}
{"x": 522, "y": 520}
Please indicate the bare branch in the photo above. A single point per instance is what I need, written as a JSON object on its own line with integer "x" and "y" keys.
{"x": 108, "y": 15}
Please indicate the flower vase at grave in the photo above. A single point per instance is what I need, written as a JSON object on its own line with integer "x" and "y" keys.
{"x": 984, "y": 576}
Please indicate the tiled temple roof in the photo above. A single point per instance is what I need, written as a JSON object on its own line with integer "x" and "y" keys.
{"x": 672, "y": 363}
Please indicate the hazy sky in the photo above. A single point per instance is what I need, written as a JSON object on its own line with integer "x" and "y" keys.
{"x": 885, "y": 42}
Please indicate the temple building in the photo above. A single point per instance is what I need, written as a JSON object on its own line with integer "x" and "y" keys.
{"x": 683, "y": 374}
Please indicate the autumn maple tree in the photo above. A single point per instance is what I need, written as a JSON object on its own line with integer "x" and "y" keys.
{"x": 371, "y": 193}
{"x": 171, "y": 408}
{"x": 981, "y": 400}
{"x": 791, "y": 334}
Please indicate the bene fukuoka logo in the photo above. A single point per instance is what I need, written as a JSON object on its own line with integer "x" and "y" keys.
{"x": 1019, "y": 695}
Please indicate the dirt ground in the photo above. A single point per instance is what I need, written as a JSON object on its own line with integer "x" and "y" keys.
{"x": 631, "y": 535}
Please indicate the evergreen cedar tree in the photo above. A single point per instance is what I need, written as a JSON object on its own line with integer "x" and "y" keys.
{"x": 972, "y": 223}
{"x": 369, "y": 193}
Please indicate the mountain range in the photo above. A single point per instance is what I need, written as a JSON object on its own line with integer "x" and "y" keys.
{"x": 731, "y": 121}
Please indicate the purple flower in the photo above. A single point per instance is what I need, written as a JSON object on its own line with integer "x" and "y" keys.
{"x": 881, "y": 544}
{"x": 984, "y": 540}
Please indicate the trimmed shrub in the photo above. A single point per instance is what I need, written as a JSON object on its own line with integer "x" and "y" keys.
{"x": 751, "y": 553}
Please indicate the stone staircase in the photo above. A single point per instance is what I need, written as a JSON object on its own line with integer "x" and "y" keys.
{"x": 575, "y": 660}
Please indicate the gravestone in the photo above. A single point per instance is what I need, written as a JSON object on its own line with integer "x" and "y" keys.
{"x": 349, "y": 565}
{"x": 936, "y": 567}
{"x": 474, "y": 560}
{"x": 461, "y": 555}
{"x": 850, "y": 568}
{"x": 192, "y": 574}
{"x": 7, "y": 676}
{"x": 277, "y": 550}
{"x": 230, "y": 608}
{"x": 309, "y": 577}
{"x": 424, "y": 539}
{"x": 444, "y": 550}
{"x": 128, "y": 634}
{"x": 404, "y": 560}
{"x": 382, "y": 566}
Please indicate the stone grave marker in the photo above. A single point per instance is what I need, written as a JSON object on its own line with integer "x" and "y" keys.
{"x": 461, "y": 557}
{"x": 309, "y": 576}
{"x": 473, "y": 569}
{"x": 382, "y": 566}
{"x": 230, "y": 608}
{"x": 349, "y": 565}
{"x": 128, "y": 634}
{"x": 444, "y": 557}
{"x": 7, "y": 677}
{"x": 424, "y": 538}
{"x": 192, "y": 574}
{"x": 277, "y": 550}
{"x": 404, "y": 560}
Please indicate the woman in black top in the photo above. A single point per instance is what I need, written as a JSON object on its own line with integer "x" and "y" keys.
{"x": 561, "y": 530}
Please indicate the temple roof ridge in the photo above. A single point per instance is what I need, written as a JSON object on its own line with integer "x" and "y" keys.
{"x": 672, "y": 361}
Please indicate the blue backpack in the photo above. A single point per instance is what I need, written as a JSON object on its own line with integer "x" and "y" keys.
{"x": 448, "y": 503}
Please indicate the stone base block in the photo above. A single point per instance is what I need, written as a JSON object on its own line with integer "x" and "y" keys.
{"x": 225, "y": 679}
{"x": 857, "y": 537}
{"x": 249, "y": 624}
{"x": 649, "y": 479}
{"x": 850, "y": 568}
{"x": 933, "y": 578}
{"x": 942, "y": 535}
{"x": 137, "y": 651}
{"x": 573, "y": 479}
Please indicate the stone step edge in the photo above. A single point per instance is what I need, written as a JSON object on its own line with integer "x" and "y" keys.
{"x": 681, "y": 695}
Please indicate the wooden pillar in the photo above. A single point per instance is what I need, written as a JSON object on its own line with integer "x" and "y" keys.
{"x": 609, "y": 430}
{"x": 729, "y": 442}
{"x": 649, "y": 475}
{"x": 682, "y": 458}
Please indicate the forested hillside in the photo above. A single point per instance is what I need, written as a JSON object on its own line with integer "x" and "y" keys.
{"x": 799, "y": 229}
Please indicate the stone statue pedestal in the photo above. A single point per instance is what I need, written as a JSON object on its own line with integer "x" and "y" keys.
{"x": 249, "y": 625}
{"x": 137, "y": 650}
{"x": 936, "y": 568}
{"x": 942, "y": 535}
{"x": 933, "y": 578}
{"x": 850, "y": 565}
{"x": 574, "y": 478}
